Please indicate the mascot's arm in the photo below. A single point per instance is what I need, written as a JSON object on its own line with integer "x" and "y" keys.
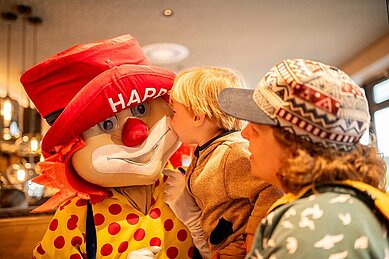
{"x": 185, "y": 208}
{"x": 65, "y": 236}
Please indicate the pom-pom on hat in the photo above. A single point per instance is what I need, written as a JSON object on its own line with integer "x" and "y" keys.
{"x": 314, "y": 101}
{"x": 53, "y": 83}
{"x": 89, "y": 83}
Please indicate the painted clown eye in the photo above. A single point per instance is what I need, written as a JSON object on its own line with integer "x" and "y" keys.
{"x": 140, "y": 110}
{"x": 109, "y": 124}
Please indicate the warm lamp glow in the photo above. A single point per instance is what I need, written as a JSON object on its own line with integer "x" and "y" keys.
{"x": 34, "y": 144}
{"x": 21, "y": 175}
{"x": 7, "y": 112}
{"x": 6, "y": 134}
{"x": 9, "y": 121}
{"x": 28, "y": 145}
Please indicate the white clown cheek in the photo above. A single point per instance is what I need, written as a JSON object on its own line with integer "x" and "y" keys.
{"x": 142, "y": 160}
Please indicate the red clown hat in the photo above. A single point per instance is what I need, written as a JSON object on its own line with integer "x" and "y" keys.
{"x": 114, "y": 90}
{"x": 78, "y": 87}
{"x": 54, "y": 82}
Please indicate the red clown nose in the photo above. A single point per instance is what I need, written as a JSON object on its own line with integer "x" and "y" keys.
{"x": 134, "y": 132}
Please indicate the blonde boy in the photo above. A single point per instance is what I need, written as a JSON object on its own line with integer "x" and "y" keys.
{"x": 231, "y": 202}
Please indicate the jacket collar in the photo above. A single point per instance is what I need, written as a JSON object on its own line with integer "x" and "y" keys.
{"x": 204, "y": 146}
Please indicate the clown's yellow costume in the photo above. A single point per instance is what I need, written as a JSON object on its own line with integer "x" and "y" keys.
{"x": 106, "y": 149}
{"x": 117, "y": 220}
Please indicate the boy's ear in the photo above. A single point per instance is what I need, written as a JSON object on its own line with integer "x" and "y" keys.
{"x": 199, "y": 120}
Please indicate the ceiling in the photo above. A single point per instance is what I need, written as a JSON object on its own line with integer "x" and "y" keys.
{"x": 247, "y": 35}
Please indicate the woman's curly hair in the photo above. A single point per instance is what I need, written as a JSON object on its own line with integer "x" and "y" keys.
{"x": 313, "y": 164}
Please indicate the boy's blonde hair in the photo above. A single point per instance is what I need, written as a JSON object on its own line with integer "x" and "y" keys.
{"x": 314, "y": 164}
{"x": 197, "y": 89}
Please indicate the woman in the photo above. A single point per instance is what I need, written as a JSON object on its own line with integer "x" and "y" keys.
{"x": 305, "y": 122}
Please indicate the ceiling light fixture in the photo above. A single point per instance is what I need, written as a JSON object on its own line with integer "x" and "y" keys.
{"x": 9, "y": 107}
{"x": 168, "y": 12}
{"x": 166, "y": 53}
{"x": 29, "y": 144}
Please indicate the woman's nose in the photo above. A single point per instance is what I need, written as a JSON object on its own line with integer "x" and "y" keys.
{"x": 245, "y": 132}
{"x": 134, "y": 132}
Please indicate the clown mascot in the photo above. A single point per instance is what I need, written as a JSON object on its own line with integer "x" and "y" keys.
{"x": 105, "y": 151}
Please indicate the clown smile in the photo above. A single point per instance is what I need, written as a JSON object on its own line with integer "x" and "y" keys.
{"x": 143, "y": 159}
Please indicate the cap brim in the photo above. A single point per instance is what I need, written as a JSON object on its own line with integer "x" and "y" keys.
{"x": 240, "y": 104}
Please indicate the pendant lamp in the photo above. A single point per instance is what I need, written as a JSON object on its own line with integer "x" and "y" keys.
{"x": 10, "y": 112}
{"x": 29, "y": 143}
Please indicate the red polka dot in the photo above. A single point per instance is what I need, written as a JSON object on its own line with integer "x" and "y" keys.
{"x": 164, "y": 178}
{"x": 155, "y": 213}
{"x": 53, "y": 224}
{"x": 182, "y": 235}
{"x": 157, "y": 183}
{"x": 76, "y": 241}
{"x": 172, "y": 252}
{"x": 75, "y": 256}
{"x": 84, "y": 236}
{"x": 99, "y": 219}
{"x": 123, "y": 247}
{"x": 190, "y": 252}
{"x": 106, "y": 250}
{"x": 72, "y": 222}
{"x": 115, "y": 209}
{"x": 65, "y": 204}
{"x": 132, "y": 219}
{"x": 153, "y": 201}
{"x": 59, "y": 242}
{"x": 114, "y": 228}
{"x": 139, "y": 234}
{"x": 81, "y": 203}
{"x": 40, "y": 250}
{"x": 168, "y": 225}
{"x": 155, "y": 241}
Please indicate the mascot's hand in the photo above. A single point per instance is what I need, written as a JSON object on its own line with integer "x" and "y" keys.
{"x": 185, "y": 208}
{"x": 144, "y": 253}
{"x": 179, "y": 199}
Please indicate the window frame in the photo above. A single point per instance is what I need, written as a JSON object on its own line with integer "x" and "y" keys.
{"x": 373, "y": 106}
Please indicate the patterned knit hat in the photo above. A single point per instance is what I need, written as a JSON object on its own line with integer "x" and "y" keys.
{"x": 317, "y": 102}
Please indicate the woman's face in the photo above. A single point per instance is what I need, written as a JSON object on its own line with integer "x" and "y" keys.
{"x": 266, "y": 152}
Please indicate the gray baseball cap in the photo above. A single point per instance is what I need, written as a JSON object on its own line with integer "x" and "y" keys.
{"x": 315, "y": 101}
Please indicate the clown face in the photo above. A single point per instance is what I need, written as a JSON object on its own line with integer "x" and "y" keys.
{"x": 130, "y": 148}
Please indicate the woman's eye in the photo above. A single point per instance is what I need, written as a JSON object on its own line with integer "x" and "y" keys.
{"x": 140, "y": 110}
{"x": 109, "y": 124}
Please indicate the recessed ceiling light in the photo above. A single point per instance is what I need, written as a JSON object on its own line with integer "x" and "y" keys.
{"x": 165, "y": 53}
{"x": 168, "y": 12}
